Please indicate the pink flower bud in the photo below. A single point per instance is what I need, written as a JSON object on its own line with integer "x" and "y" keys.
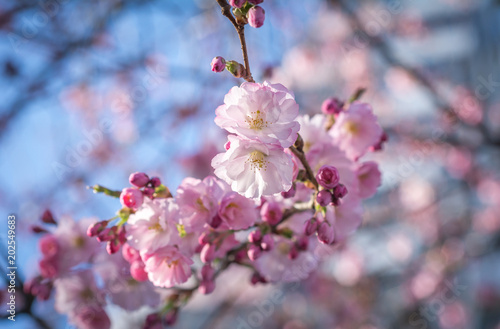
{"x": 48, "y": 268}
{"x": 302, "y": 243}
{"x": 237, "y": 3}
{"x": 256, "y": 16}
{"x": 328, "y": 176}
{"x": 131, "y": 198}
{"x": 96, "y": 228}
{"x": 339, "y": 191}
{"x": 255, "y": 2}
{"x": 324, "y": 198}
{"x": 218, "y": 64}
{"x": 130, "y": 254}
{"x": 215, "y": 221}
{"x": 137, "y": 271}
{"x": 253, "y": 252}
{"x": 290, "y": 193}
{"x": 113, "y": 246}
{"x": 310, "y": 227}
{"x": 49, "y": 245}
{"x": 271, "y": 213}
{"x": 204, "y": 238}
{"x": 207, "y": 272}
{"x": 107, "y": 234}
{"x": 255, "y": 236}
{"x": 206, "y": 287}
{"x": 48, "y": 218}
{"x": 171, "y": 317}
{"x": 38, "y": 229}
{"x": 149, "y": 191}
{"x": 332, "y": 106}
{"x": 138, "y": 179}
{"x": 256, "y": 278}
{"x": 325, "y": 233}
{"x": 153, "y": 321}
{"x": 207, "y": 254}
{"x": 240, "y": 256}
{"x": 155, "y": 181}
{"x": 293, "y": 253}
{"x": 267, "y": 243}
{"x": 378, "y": 146}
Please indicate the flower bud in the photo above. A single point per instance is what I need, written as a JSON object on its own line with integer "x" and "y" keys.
{"x": 326, "y": 233}
{"x": 215, "y": 221}
{"x": 256, "y": 278}
{"x": 96, "y": 228}
{"x": 130, "y": 254}
{"x": 206, "y": 287}
{"x": 48, "y": 268}
{"x": 290, "y": 193}
{"x": 38, "y": 229}
{"x": 49, "y": 246}
{"x": 207, "y": 272}
{"x": 236, "y": 69}
{"x": 253, "y": 252}
{"x": 256, "y": 16}
{"x": 204, "y": 238}
{"x": 328, "y": 176}
{"x": 48, "y": 218}
{"x": 255, "y": 236}
{"x": 271, "y": 213}
{"x": 138, "y": 179}
{"x": 324, "y": 198}
{"x": 155, "y": 181}
{"x": 293, "y": 253}
{"x": 378, "y": 146}
{"x": 131, "y": 198}
{"x": 267, "y": 243}
{"x": 237, "y": 3}
{"x": 137, "y": 271}
{"x": 339, "y": 191}
{"x": 310, "y": 227}
{"x": 149, "y": 192}
{"x": 207, "y": 254}
{"x": 153, "y": 321}
{"x": 302, "y": 243}
{"x": 332, "y": 106}
{"x": 218, "y": 64}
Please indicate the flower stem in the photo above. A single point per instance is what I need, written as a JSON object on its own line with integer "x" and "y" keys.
{"x": 226, "y": 11}
{"x": 301, "y": 156}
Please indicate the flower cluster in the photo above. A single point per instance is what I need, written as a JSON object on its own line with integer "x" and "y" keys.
{"x": 262, "y": 119}
{"x": 289, "y": 189}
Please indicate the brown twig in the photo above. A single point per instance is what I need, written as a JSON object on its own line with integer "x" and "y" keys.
{"x": 226, "y": 11}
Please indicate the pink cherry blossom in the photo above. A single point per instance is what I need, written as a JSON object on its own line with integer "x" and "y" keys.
{"x": 262, "y": 112}
{"x": 254, "y": 169}
{"x": 77, "y": 290}
{"x": 356, "y": 130}
{"x": 198, "y": 201}
{"x": 167, "y": 267}
{"x": 153, "y": 225}
{"x": 131, "y": 198}
{"x": 237, "y": 212}
{"x": 369, "y": 179}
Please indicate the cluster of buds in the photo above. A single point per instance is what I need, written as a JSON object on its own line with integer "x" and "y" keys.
{"x": 248, "y": 12}
{"x": 133, "y": 197}
{"x": 329, "y": 179}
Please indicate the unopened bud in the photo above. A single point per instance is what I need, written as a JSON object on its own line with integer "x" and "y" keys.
{"x": 218, "y": 64}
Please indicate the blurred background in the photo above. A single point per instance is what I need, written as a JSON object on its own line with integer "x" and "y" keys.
{"x": 94, "y": 90}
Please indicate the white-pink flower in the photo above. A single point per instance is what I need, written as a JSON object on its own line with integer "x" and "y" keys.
{"x": 198, "y": 201}
{"x": 237, "y": 212}
{"x": 369, "y": 177}
{"x": 356, "y": 130}
{"x": 254, "y": 169}
{"x": 167, "y": 267}
{"x": 153, "y": 225}
{"x": 263, "y": 112}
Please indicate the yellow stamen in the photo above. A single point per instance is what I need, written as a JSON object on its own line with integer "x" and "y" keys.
{"x": 257, "y": 161}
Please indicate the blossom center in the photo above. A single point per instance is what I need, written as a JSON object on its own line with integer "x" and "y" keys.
{"x": 257, "y": 161}
{"x": 351, "y": 128}
{"x": 256, "y": 121}
{"x": 157, "y": 227}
